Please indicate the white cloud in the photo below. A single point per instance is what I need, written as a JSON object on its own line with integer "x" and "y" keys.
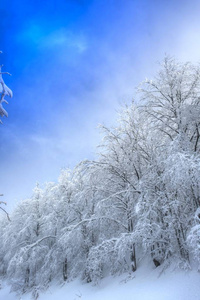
{"x": 65, "y": 39}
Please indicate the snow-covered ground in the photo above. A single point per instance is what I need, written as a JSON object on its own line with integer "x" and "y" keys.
{"x": 146, "y": 284}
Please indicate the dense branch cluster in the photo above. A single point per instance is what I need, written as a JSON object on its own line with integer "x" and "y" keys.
{"x": 141, "y": 197}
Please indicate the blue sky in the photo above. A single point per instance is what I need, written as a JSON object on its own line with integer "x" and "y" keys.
{"x": 73, "y": 63}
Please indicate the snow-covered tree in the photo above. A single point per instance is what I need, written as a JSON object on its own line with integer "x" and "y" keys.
{"x": 140, "y": 196}
{"x": 122, "y": 160}
{"x": 4, "y": 91}
{"x": 170, "y": 187}
{"x": 171, "y": 103}
{"x": 193, "y": 238}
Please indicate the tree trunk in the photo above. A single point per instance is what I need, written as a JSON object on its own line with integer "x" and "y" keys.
{"x": 65, "y": 269}
{"x": 27, "y": 276}
{"x": 133, "y": 259}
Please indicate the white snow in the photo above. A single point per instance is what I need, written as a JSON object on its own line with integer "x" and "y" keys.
{"x": 145, "y": 284}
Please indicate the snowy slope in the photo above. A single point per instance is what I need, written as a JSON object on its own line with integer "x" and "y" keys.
{"x": 145, "y": 285}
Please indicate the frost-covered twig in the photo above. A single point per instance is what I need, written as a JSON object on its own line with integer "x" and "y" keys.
{"x": 6, "y": 91}
{"x": 2, "y": 202}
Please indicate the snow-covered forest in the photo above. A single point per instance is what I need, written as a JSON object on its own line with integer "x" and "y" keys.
{"x": 139, "y": 198}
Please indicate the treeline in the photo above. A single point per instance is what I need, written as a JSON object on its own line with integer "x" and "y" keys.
{"x": 141, "y": 197}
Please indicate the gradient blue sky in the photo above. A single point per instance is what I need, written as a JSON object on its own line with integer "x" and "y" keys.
{"x": 73, "y": 62}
